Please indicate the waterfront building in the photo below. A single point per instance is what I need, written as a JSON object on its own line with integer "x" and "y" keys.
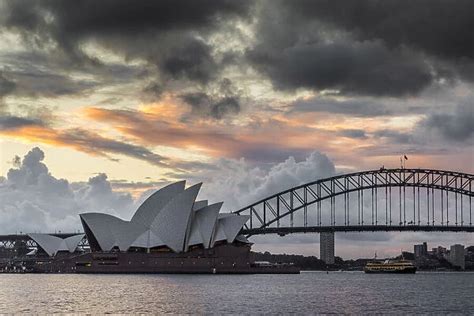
{"x": 170, "y": 232}
{"x": 440, "y": 252}
{"x": 326, "y": 247}
{"x": 420, "y": 250}
{"x": 456, "y": 256}
{"x": 169, "y": 220}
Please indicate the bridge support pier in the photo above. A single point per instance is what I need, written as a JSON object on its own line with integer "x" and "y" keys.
{"x": 326, "y": 247}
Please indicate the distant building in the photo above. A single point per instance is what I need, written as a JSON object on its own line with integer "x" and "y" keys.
{"x": 407, "y": 255}
{"x": 326, "y": 247}
{"x": 456, "y": 256}
{"x": 440, "y": 252}
{"x": 421, "y": 250}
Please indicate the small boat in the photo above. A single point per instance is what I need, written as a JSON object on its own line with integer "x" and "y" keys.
{"x": 390, "y": 266}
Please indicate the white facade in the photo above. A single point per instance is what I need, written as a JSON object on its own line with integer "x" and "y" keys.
{"x": 170, "y": 217}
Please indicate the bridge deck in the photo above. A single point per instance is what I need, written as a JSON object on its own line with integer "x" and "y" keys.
{"x": 356, "y": 228}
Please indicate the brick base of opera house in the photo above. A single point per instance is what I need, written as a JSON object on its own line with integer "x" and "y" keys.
{"x": 222, "y": 259}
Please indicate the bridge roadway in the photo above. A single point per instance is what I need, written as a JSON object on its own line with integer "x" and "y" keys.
{"x": 356, "y": 228}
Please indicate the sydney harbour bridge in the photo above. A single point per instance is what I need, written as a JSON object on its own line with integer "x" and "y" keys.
{"x": 400, "y": 200}
{"x": 374, "y": 200}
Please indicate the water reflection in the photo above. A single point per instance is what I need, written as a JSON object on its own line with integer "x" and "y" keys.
{"x": 342, "y": 292}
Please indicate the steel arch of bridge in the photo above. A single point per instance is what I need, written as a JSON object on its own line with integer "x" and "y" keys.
{"x": 427, "y": 187}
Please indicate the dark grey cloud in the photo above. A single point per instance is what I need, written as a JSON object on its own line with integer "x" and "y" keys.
{"x": 438, "y": 128}
{"x": 457, "y": 125}
{"x": 152, "y": 91}
{"x": 437, "y": 27}
{"x": 8, "y": 122}
{"x": 39, "y": 74}
{"x": 217, "y": 108}
{"x": 167, "y": 34}
{"x": 36, "y": 60}
{"x": 225, "y": 101}
{"x": 367, "y": 48}
{"x": 93, "y": 143}
{"x": 269, "y": 154}
{"x": 36, "y": 83}
{"x": 193, "y": 60}
{"x": 393, "y": 136}
{"x": 441, "y": 132}
{"x": 380, "y": 48}
{"x": 127, "y": 18}
{"x": 356, "y": 106}
{"x": 6, "y": 86}
{"x": 366, "y": 68}
{"x": 407, "y": 149}
{"x": 353, "y": 133}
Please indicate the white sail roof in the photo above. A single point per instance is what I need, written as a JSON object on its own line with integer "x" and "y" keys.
{"x": 203, "y": 225}
{"x": 207, "y": 218}
{"x": 147, "y": 240}
{"x": 52, "y": 244}
{"x": 232, "y": 225}
{"x": 170, "y": 217}
{"x": 199, "y": 205}
{"x": 228, "y": 226}
{"x": 195, "y": 237}
{"x": 219, "y": 234}
{"x": 172, "y": 222}
{"x": 73, "y": 241}
{"x": 242, "y": 239}
{"x": 149, "y": 209}
{"x": 105, "y": 228}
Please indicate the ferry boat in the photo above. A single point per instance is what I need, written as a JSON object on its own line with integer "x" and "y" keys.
{"x": 390, "y": 266}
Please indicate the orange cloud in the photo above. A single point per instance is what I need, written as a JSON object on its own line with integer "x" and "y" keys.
{"x": 220, "y": 138}
{"x": 84, "y": 141}
{"x": 266, "y": 137}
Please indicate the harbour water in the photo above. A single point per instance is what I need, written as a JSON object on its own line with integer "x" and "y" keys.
{"x": 307, "y": 293}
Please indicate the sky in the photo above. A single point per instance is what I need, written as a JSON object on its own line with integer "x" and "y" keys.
{"x": 102, "y": 102}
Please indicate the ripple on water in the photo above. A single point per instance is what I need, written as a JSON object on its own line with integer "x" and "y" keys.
{"x": 309, "y": 292}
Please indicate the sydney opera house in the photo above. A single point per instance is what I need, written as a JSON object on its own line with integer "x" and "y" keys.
{"x": 170, "y": 232}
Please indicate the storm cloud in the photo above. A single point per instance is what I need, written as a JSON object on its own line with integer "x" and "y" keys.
{"x": 438, "y": 27}
{"x": 167, "y": 34}
{"x": 366, "y": 47}
{"x": 15, "y": 122}
{"x": 6, "y": 86}
{"x": 366, "y": 68}
{"x": 226, "y": 101}
{"x": 356, "y": 107}
{"x": 456, "y": 125}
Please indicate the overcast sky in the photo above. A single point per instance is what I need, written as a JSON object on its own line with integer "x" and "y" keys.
{"x": 102, "y": 101}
